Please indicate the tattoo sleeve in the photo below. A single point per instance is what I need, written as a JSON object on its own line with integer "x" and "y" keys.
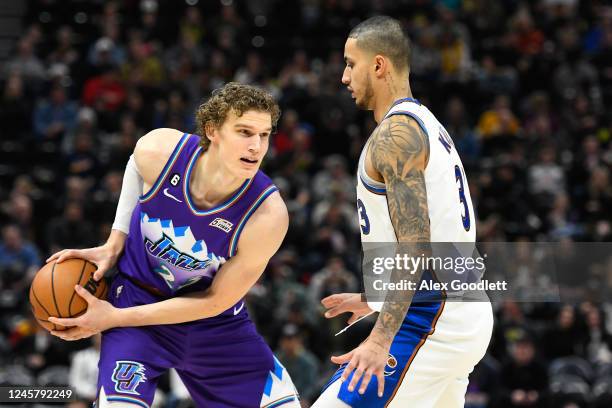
{"x": 399, "y": 152}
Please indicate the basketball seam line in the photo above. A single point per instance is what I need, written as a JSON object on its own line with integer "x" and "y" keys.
{"x": 44, "y": 308}
{"x": 74, "y": 292}
{"x": 53, "y": 290}
{"x": 40, "y": 303}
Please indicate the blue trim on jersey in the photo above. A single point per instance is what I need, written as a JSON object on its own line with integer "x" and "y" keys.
{"x": 372, "y": 189}
{"x": 405, "y": 100}
{"x": 234, "y": 241}
{"x": 162, "y": 176}
{"x": 268, "y": 387}
{"x": 413, "y": 116}
{"x": 281, "y": 401}
{"x": 123, "y": 398}
{"x": 218, "y": 208}
{"x": 278, "y": 369}
{"x": 419, "y": 323}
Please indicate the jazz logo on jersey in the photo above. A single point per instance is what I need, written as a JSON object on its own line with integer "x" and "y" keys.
{"x": 166, "y": 250}
{"x": 392, "y": 364}
{"x": 127, "y": 376}
{"x": 223, "y": 225}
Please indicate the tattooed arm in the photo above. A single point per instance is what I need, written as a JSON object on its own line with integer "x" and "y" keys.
{"x": 399, "y": 152}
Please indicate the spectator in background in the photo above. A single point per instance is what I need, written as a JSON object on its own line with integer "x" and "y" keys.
{"x": 121, "y": 145}
{"x": 526, "y": 39}
{"x": 191, "y": 25}
{"x": 546, "y": 178}
{"x": 151, "y": 26}
{"x": 597, "y": 343}
{"x": 15, "y": 110}
{"x": 334, "y": 175}
{"x": 105, "y": 51}
{"x": 55, "y": 116}
{"x": 19, "y": 259}
{"x": 563, "y": 338}
{"x": 426, "y": 60}
{"x": 142, "y": 68}
{"x": 300, "y": 362}
{"x": 596, "y": 204}
{"x": 499, "y": 120}
{"x": 64, "y": 52}
{"x": 106, "y": 198}
{"x": 575, "y": 74}
{"x": 333, "y": 278}
{"x": 26, "y": 64}
{"x": 19, "y": 210}
{"x": 524, "y": 378}
{"x": 104, "y": 92}
{"x": 459, "y": 128}
{"x": 252, "y": 72}
{"x": 493, "y": 79}
{"x": 86, "y": 122}
{"x": 83, "y": 161}
{"x": 136, "y": 107}
{"x": 71, "y": 230}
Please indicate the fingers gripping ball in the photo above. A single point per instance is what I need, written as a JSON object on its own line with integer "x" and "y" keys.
{"x": 52, "y": 292}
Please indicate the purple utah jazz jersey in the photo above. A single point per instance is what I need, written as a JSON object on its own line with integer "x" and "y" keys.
{"x": 174, "y": 246}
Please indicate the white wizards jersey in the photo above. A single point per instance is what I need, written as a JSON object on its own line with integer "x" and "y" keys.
{"x": 451, "y": 215}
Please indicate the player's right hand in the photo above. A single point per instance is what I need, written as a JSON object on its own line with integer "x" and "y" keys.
{"x": 343, "y": 303}
{"x": 104, "y": 257}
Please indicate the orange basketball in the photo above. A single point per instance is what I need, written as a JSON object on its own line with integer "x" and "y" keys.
{"x": 52, "y": 292}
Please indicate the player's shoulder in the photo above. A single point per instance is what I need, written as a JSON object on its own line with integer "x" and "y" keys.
{"x": 399, "y": 137}
{"x": 159, "y": 142}
{"x": 273, "y": 209}
{"x": 398, "y": 131}
{"x": 153, "y": 150}
{"x": 266, "y": 228}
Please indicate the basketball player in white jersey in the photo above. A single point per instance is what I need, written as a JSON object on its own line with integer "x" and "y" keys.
{"x": 411, "y": 187}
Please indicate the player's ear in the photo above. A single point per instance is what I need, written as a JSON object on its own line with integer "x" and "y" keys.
{"x": 210, "y": 131}
{"x": 380, "y": 66}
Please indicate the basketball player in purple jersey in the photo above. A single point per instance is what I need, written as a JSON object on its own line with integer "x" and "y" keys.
{"x": 200, "y": 235}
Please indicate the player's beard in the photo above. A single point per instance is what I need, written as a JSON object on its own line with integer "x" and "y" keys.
{"x": 368, "y": 95}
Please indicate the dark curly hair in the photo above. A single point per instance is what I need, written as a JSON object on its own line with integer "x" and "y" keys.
{"x": 237, "y": 97}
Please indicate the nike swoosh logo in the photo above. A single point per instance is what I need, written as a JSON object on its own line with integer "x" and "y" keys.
{"x": 167, "y": 194}
{"x": 237, "y": 310}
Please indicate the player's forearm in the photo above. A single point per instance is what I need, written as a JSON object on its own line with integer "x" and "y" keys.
{"x": 395, "y": 307}
{"x": 116, "y": 241}
{"x": 181, "y": 309}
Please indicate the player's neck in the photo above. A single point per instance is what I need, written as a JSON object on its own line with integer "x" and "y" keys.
{"x": 210, "y": 183}
{"x": 390, "y": 93}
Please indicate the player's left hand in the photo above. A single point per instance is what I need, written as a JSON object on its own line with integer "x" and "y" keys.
{"x": 367, "y": 360}
{"x": 100, "y": 316}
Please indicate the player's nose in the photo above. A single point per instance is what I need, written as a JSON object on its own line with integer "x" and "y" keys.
{"x": 255, "y": 144}
{"x": 346, "y": 79}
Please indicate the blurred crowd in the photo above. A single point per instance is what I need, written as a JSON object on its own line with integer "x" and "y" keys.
{"x": 523, "y": 87}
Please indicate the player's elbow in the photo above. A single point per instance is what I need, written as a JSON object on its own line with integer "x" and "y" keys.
{"x": 217, "y": 303}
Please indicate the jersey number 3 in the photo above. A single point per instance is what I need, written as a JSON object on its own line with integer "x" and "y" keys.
{"x": 465, "y": 216}
{"x": 364, "y": 221}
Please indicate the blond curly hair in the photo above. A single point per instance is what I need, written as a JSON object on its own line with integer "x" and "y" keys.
{"x": 236, "y": 97}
